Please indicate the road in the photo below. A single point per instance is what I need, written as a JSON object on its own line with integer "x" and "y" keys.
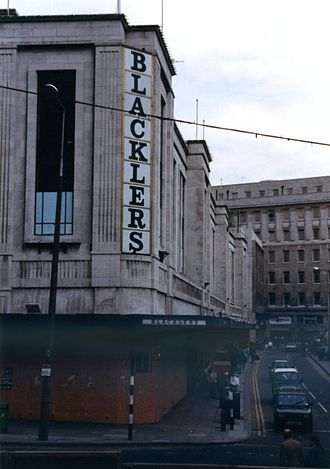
{"x": 262, "y": 449}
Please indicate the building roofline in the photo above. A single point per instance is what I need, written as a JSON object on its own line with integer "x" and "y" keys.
{"x": 205, "y": 146}
{"x": 15, "y": 18}
{"x": 270, "y": 181}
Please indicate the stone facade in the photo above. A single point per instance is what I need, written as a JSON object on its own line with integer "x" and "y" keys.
{"x": 292, "y": 218}
{"x": 147, "y": 237}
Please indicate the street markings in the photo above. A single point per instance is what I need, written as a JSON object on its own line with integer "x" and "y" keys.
{"x": 324, "y": 375}
{"x": 322, "y": 407}
{"x": 261, "y": 429}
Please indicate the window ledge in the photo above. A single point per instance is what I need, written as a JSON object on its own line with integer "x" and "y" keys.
{"x": 42, "y": 246}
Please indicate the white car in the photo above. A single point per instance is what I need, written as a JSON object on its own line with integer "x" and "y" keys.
{"x": 286, "y": 379}
{"x": 278, "y": 363}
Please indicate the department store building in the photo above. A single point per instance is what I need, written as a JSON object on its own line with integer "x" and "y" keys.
{"x": 151, "y": 273}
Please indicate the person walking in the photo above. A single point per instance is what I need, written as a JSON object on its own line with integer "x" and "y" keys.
{"x": 315, "y": 455}
{"x": 290, "y": 451}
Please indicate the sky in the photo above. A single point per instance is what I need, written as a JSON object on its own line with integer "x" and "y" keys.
{"x": 256, "y": 65}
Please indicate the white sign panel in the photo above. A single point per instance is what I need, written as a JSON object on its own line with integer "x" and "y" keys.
{"x": 136, "y": 178}
{"x": 173, "y": 322}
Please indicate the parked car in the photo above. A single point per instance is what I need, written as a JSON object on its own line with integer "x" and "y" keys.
{"x": 293, "y": 409}
{"x": 286, "y": 379}
{"x": 279, "y": 363}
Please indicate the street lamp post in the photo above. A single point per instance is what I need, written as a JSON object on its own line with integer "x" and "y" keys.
{"x": 46, "y": 370}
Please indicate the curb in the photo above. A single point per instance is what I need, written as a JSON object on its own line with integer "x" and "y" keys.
{"x": 315, "y": 360}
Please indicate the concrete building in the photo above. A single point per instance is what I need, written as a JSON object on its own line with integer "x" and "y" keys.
{"x": 151, "y": 276}
{"x": 292, "y": 218}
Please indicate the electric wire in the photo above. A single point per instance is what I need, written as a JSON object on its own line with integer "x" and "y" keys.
{"x": 187, "y": 122}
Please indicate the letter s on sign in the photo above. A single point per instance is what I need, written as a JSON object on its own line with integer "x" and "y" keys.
{"x": 136, "y": 244}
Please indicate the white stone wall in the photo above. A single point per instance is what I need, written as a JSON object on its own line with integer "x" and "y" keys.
{"x": 94, "y": 276}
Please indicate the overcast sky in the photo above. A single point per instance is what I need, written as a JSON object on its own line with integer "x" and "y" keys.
{"x": 259, "y": 65}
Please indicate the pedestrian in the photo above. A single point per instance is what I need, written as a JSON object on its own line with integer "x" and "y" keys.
{"x": 290, "y": 451}
{"x": 315, "y": 455}
{"x": 227, "y": 411}
{"x": 212, "y": 379}
{"x": 242, "y": 359}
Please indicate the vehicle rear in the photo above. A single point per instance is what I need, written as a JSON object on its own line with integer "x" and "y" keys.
{"x": 279, "y": 363}
{"x": 293, "y": 410}
{"x": 286, "y": 378}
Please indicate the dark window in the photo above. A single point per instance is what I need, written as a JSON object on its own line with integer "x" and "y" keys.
{"x": 286, "y": 256}
{"x": 316, "y": 233}
{"x": 271, "y": 298}
{"x": 301, "y": 234}
{"x": 301, "y": 277}
{"x": 271, "y": 256}
{"x": 286, "y": 277}
{"x": 301, "y": 255}
{"x": 317, "y": 298}
{"x": 316, "y": 276}
{"x": 49, "y": 131}
{"x": 316, "y": 255}
{"x": 271, "y": 277}
{"x": 286, "y": 299}
{"x": 271, "y": 215}
{"x": 301, "y": 298}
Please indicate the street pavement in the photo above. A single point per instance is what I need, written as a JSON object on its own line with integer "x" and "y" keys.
{"x": 195, "y": 419}
{"x": 323, "y": 364}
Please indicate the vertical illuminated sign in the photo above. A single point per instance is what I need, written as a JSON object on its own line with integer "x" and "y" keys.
{"x": 136, "y": 179}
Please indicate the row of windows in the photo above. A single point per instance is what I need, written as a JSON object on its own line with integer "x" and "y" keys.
{"x": 286, "y": 255}
{"x": 301, "y": 277}
{"x": 287, "y": 235}
{"x": 285, "y": 214}
{"x": 277, "y": 191}
{"x": 286, "y": 300}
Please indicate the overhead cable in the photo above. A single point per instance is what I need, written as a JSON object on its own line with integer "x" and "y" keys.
{"x": 187, "y": 122}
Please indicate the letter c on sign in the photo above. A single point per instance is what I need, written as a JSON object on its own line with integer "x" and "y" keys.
{"x": 134, "y": 123}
